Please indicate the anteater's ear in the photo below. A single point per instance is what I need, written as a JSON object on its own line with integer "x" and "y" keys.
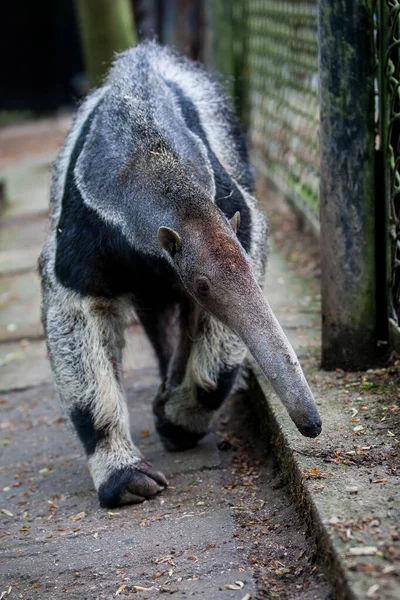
{"x": 235, "y": 221}
{"x": 170, "y": 240}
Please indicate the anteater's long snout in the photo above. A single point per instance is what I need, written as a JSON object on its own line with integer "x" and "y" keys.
{"x": 255, "y": 323}
{"x": 231, "y": 293}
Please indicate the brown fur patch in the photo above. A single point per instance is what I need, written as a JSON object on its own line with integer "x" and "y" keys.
{"x": 103, "y": 307}
{"x": 227, "y": 253}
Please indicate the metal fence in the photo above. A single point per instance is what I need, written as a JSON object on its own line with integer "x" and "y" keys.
{"x": 309, "y": 70}
{"x": 389, "y": 58}
{"x": 317, "y": 85}
{"x": 282, "y": 63}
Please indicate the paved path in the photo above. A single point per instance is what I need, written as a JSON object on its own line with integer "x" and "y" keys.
{"x": 224, "y": 528}
{"x": 225, "y": 517}
{"x": 56, "y": 541}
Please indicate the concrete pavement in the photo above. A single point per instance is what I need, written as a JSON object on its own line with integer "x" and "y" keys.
{"x": 56, "y": 541}
{"x": 216, "y": 532}
{"x": 225, "y": 527}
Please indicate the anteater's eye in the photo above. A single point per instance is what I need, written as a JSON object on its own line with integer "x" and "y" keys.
{"x": 202, "y": 286}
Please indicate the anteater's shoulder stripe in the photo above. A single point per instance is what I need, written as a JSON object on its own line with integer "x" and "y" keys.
{"x": 228, "y": 195}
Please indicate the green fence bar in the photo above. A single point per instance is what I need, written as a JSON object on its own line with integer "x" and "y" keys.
{"x": 218, "y": 53}
{"x": 106, "y": 27}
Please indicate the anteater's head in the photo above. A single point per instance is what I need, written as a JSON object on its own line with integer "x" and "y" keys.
{"x": 217, "y": 273}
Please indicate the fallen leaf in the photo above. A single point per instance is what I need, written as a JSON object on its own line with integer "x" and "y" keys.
{"x": 209, "y": 547}
{"x": 78, "y": 517}
{"x": 238, "y": 585}
{"x": 158, "y": 575}
{"x": 313, "y": 473}
{"x": 164, "y": 559}
{"x": 388, "y": 569}
{"x": 193, "y": 558}
{"x": 8, "y": 592}
{"x": 372, "y": 590}
{"x": 358, "y": 429}
{"x": 139, "y": 588}
{"x": 7, "y": 512}
{"x": 120, "y": 589}
{"x": 363, "y": 551}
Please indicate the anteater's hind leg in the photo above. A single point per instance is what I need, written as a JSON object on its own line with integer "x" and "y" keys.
{"x": 202, "y": 373}
{"x": 85, "y": 337}
{"x": 161, "y": 322}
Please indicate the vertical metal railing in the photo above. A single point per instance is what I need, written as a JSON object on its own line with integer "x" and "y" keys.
{"x": 390, "y": 132}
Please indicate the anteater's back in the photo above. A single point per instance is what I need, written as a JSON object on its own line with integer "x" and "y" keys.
{"x": 189, "y": 80}
{"x": 151, "y": 91}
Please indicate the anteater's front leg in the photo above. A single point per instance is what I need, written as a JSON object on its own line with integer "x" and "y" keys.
{"x": 202, "y": 373}
{"x": 85, "y": 340}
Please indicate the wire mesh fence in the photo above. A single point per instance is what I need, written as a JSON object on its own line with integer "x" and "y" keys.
{"x": 282, "y": 58}
{"x": 276, "y": 55}
{"x": 390, "y": 129}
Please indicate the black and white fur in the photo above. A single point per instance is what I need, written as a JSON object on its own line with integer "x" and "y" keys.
{"x": 157, "y": 140}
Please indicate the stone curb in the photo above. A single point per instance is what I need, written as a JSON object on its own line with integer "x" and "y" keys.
{"x": 342, "y": 482}
{"x": 338, "y": 502}
{"x": 270, "y": 417}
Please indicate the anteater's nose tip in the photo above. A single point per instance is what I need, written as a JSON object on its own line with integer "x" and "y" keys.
{"x": 312, "y": 429}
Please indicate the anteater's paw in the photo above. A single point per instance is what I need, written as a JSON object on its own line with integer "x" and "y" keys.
{"x": 175, "y": 438}
{"x": 130, "y": 485}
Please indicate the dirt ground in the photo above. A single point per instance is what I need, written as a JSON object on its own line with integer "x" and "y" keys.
{"x": 352, "y": 476}
{"x": 281, "y": 552}
{"x": 290, "y": 234}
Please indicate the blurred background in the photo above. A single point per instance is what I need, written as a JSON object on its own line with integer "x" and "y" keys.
{"x": 265, "y": 52}
{"x": 55, "y": 48}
